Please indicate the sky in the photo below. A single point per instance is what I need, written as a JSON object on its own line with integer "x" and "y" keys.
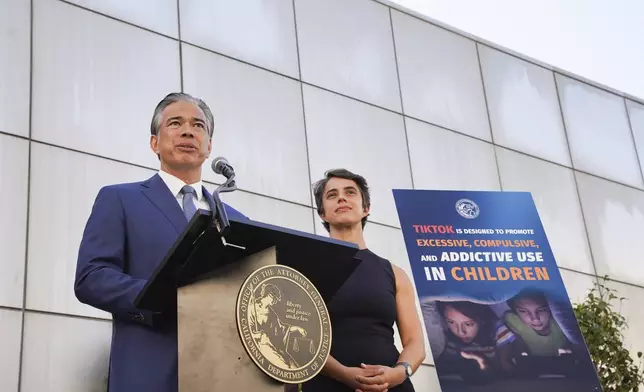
{"x": 601, "y": 40}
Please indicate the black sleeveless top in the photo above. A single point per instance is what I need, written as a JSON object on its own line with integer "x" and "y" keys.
{"x": 363, "y": 313}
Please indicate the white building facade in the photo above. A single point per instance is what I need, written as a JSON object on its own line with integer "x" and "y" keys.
{"x": 297, "y": 87}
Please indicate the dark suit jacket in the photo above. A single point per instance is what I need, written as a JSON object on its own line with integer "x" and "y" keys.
{"x": 129, "y": 231}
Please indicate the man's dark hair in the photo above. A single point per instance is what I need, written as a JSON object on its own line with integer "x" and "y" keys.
{"x": 361, "y": 182}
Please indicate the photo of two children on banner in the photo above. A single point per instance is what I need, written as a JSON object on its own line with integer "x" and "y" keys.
{"x": 526, "y": 336}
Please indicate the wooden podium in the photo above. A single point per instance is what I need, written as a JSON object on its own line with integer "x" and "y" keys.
{"x": 200, "y": 279}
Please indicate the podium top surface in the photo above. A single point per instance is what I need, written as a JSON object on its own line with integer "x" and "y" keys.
{"x": 199, "y": 252}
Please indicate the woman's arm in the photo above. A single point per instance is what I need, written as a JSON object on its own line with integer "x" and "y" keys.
{"x": 334, "y": 369}
{"x": 410, "y": 330}
{"x": 409, "y": 326}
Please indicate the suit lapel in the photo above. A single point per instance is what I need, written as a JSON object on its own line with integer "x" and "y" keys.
{"x": 211, "y": 201}
{"x": 159, "y": 194}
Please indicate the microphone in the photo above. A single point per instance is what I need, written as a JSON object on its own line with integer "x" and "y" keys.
{"x": 220, "y": 165}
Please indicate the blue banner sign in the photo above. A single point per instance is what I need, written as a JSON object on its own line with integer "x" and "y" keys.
{"x": 495, "y": 308}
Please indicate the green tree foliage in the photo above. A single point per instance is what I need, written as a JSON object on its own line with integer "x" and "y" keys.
{"x": 603, "y": 329}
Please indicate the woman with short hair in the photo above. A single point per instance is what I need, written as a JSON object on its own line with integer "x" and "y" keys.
{"x": 363, "y": 354}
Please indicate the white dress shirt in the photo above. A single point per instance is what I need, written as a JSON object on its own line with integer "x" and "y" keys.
{"x": 175, "y": 185}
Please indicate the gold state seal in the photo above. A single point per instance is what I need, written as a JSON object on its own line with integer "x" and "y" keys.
{"x": 283, "y": 324}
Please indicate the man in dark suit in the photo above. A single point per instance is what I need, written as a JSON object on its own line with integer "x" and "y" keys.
{"x": 129, "y": 231}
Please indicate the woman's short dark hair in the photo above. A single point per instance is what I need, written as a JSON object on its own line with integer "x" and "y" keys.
{"x": 361, "y": 182}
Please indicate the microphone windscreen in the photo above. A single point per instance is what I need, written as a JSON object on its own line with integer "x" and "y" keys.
{"x": 218, "y": 164}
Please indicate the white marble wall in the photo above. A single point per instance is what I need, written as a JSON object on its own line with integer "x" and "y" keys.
{"x": 297, "y": 87}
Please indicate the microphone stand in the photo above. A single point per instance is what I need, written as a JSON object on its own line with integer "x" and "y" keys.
{"x": 220, "y": 217}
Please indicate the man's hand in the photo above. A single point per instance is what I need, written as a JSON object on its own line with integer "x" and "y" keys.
{"x": 392, "y": 376}
{"x": 365, "y": 379}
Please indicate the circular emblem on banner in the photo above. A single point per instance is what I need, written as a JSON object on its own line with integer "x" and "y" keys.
{"x": 283, "y": 324}
{"x": 467, "y": 208}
